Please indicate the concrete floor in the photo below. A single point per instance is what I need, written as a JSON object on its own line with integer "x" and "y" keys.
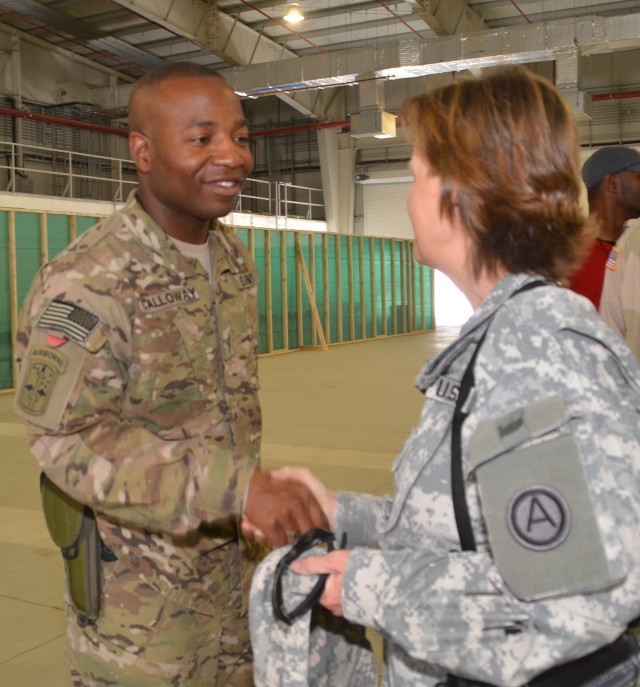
{"x": 344, "y": 413}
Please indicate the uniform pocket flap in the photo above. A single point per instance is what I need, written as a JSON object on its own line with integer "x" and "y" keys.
{"x": 505, "y": 432}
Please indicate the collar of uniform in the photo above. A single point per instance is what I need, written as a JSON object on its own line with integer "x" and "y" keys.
{"x": 473, "y": 328}
{"x": 224, "y": 251}
{"x": 152, "y": 235}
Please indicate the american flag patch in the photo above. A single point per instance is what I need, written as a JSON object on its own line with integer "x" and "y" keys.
{"x": 612, "y": 260}
{"x": 74, "y": 322}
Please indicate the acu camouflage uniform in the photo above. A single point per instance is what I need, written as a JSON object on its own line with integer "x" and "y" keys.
{"x": 620, "y": 302}
{"x": 443, "y": 610}
{"x": 317, "y": 649}
{"x": 138, "y": 382}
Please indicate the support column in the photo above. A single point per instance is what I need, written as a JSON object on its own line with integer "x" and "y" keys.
{"x": 337, "y": 168}
{"x": 17, "y": 180}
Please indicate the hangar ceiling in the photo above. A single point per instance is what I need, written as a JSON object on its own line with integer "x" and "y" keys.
{"x": 590, "y": 47}
{"x": 131, "y": 36}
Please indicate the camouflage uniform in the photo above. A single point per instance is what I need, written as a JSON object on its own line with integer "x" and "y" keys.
{"x": 620, "y": 303}
{"x": 138, "y": 382}
{"x": 443, "y": 610}
{"x": 317, "y": 649}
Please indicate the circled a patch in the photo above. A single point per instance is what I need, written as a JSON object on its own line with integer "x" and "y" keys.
{"x": 539, "y": 518}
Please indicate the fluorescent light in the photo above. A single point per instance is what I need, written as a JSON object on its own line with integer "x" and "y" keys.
{"x": 294, "y": 13}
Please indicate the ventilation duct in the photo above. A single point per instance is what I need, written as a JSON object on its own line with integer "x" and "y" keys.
{"x": 410, "y": 58}
{"x": 372, "y": 120}
{"x": 376, "y": 123}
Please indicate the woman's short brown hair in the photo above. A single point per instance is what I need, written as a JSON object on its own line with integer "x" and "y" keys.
{"x": 507, "y": 150}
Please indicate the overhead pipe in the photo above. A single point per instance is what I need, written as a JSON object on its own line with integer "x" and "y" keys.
{"x": 301, "y": 127}
{"x": 313, "y": 126}
{"x": 521, "y": 12}
{"x": 399, "y": 18}
{"x": 35, "y": 116}
{"x": 620, "y": 95}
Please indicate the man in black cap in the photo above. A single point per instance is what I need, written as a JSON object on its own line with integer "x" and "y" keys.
{"x": 611, "y": 176}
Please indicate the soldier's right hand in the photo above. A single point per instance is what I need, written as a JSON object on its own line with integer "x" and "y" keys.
{"x": 281, "y": 509}
{"x": 325, "y": 497}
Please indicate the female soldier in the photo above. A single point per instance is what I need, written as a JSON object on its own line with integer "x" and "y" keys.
{"x": 510, "y": 544}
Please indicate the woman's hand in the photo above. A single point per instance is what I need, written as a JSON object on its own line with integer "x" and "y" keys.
{"x": 333, "y": 564}
{"x": 325, "y": 497}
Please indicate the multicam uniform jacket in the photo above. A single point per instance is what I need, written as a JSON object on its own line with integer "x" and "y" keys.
{"x": 138, "y": 382}
{"x": 443, "y": 610}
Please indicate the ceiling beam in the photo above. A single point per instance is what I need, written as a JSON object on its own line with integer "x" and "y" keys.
{"x": 211, "y": 29}
{"x": 219, "y": 34}
{"x": 447, "y": 17}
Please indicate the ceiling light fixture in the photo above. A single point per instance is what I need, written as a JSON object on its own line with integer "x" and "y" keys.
{"x": 294, "y": 13}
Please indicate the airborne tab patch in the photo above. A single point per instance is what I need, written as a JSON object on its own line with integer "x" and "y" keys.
{"x": 45, "y": 365}
{"x": 74, "y": 322}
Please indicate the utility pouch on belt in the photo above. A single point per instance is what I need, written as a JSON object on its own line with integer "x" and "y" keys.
{"x": 73, "y": 529}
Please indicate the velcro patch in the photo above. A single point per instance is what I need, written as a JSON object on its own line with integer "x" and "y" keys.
{"x": 244, "y": 280}
{"x": 168, "y": 298}
{"x": 539, "y": 518}
{"x": 45, "y": 365}
{"x": 74, "y": 322}
{"x": 444, "y": 389}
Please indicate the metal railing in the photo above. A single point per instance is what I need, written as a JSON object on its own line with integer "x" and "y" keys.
{"x": 298, "y": 198}
{"x": 63, "y": 173}
{"x": 55, "y": 172}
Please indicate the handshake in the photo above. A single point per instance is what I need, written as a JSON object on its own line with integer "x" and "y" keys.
{"x": 282, "y": 504}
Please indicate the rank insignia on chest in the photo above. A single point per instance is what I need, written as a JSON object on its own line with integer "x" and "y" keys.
{"x": 244, "y": 280}
{"x": 444, "y": 389}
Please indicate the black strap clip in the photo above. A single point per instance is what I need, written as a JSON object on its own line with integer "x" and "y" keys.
{"x": 305, "y": 542}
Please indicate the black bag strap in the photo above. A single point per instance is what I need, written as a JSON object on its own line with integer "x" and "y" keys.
{"x": 463, "y": 521}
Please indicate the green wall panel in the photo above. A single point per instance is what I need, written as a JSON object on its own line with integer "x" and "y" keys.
{"x": 5, "y": 305}
{"x": 27, "y": 250}
{"x": 380, "y": 286}
{"x": 58, "y": 234}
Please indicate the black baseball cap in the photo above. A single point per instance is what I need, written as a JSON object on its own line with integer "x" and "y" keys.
{"x": 609, "y": 160}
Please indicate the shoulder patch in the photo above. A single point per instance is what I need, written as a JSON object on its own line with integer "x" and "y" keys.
{"x": 612, "y": 260}
{"x": 44, "y": 367}
{"x": 539, "y": 517}
{"x": 74, "y": 322}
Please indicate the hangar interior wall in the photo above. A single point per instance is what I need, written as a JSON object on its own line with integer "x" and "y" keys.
{"x": 316, "y": 289}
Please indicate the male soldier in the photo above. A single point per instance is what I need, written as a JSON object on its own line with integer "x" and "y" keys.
{"x": 138, "y": 355}
{"x": 610, "y": 175}
{"x": 620, "y": 303}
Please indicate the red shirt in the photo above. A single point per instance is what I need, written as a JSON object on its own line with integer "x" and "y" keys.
{"x": 588, "y": 280}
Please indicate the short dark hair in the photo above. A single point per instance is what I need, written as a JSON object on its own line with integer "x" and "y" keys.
{"x": 506, "y": 147}
{"x": 173, "y": 70}
{"x": 176, "y": 70}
